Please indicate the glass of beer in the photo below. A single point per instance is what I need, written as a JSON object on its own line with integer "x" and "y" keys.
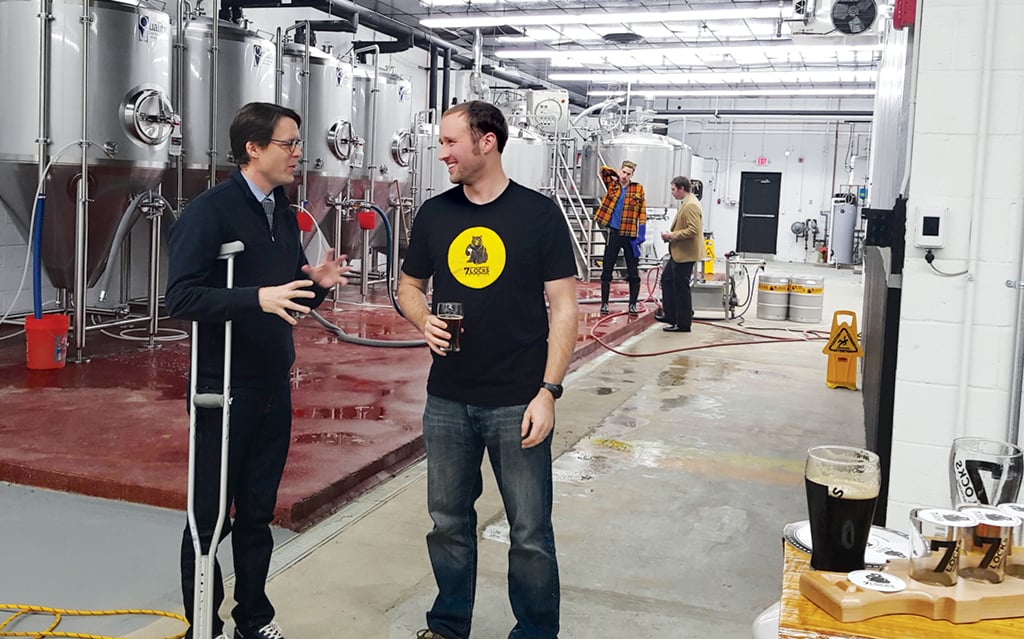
{"x": 842, "y": 485}
{"x": 984, "y": 471}
{"x": 451, "y": 313}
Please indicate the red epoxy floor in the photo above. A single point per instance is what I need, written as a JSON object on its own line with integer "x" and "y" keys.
{"x": 117, "y": 428}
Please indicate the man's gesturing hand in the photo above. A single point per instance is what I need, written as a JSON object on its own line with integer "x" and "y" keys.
{"x": 278, "y": 299}
{"x": 328, "y": 273}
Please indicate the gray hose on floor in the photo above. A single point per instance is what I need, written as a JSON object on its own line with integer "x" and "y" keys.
{"x": 365, "y": 341}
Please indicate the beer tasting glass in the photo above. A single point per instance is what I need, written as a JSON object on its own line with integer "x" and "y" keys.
{"x": 451, "y": 313}
{"x": 986, "y": 545}
{"x": 1015, "y": 566}
{"x": 984, "y": 471}
{"x": 842, "y": 485}
{"x": 936, "y": 544}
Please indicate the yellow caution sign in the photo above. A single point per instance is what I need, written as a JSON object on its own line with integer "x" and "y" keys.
{"x": 843, "y": 349}
{"x": 709, "y": 256}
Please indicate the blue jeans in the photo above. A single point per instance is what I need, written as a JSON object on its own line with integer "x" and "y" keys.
{"x": 455, "y": 436}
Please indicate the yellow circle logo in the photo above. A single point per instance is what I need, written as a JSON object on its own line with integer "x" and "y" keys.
{"x": 476, "y": 257}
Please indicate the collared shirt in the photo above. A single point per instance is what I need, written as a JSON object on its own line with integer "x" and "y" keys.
{"x": 256, "y": 192}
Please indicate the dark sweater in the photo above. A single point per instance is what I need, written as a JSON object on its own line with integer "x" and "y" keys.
{"x": 262, "y": 347}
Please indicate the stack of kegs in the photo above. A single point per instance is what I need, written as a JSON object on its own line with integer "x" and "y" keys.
{"x": 797, "y": 298}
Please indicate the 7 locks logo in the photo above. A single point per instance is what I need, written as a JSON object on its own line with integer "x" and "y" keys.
{"x": 476, "y": 257}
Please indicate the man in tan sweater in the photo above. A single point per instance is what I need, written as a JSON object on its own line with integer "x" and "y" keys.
{"x": 684, "y": 245}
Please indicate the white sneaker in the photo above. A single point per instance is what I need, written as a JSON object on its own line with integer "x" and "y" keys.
{"x": 269, "y": 631}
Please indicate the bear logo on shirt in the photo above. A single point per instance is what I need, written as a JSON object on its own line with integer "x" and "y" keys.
{"x": 476, "y": 250}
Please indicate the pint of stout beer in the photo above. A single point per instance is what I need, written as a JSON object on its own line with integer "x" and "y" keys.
{"x": 842, "y": 485}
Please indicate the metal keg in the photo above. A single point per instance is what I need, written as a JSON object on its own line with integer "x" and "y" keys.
{"x": 805, "y": 297}
{"x": 773, "y": 297}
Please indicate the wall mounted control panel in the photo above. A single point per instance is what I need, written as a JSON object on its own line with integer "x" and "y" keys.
{"x": 931, "y": 228}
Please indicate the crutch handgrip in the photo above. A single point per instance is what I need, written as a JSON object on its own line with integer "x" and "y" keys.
{"x": 230, "y": 249}
{"x": 208, "y": 400}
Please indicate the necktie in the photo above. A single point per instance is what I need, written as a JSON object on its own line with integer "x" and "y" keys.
{"x": 268, "y": 209}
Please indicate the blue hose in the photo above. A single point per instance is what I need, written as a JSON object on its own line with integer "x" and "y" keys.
{"x": 390, "y": 267}
{"x": 37, "y": 245}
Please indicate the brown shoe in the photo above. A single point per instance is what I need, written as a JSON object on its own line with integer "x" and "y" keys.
{"x": 427, "y": 633}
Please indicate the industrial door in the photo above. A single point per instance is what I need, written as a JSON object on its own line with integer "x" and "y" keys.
{"x": 759, "y": 212}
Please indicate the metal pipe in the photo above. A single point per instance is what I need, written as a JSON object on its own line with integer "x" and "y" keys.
{"x": 476, "y": 83}
{"x": 43, "y": 139}
{"x": 178, "y": 99}
{"x": 446, "y": 81}
{"x": 981, "y": 162}
{"x": 214, "y": 86}
{"x": 152, "y": 303}
{"x": 82, "y": 211}
{"x": 279, "y": 68}
{"x": 432, "y": 77}
{"x": 304, "y": 184}
{"x": 591, "y": 109}
{"x": 364, "y": 285}
{"x": 1017, "y": 376}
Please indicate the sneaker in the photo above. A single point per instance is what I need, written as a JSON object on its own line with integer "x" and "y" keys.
{"x": 604, "y": 311}
{"x": 269, "y": 631}
{"x": 632, "y": 310}
{"x": 427, "y": 633}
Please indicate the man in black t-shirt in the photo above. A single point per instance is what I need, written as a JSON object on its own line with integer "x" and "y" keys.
{"x": 497, "y": 248}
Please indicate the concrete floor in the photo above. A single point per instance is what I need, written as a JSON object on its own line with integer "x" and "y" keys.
{"x": 675, "y": 475}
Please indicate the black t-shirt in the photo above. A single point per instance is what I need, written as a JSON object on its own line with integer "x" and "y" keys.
{"x": 494, "y": 258}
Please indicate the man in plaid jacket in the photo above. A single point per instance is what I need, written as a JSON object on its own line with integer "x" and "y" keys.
{"x": 624, "y": 212}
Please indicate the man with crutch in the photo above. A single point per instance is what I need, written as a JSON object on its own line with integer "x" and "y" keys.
{"x": 272, "y": 282}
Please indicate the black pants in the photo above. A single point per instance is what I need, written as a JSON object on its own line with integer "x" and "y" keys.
{"x": 618, "y": 242}
{"x": 675, "y": 286}
{"x": 259, "y": 437}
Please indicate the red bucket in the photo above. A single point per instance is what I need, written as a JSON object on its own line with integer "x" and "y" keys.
{"x": 46, "y": 341}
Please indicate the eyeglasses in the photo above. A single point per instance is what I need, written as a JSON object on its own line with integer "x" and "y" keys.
{"x": 291, "y": 145}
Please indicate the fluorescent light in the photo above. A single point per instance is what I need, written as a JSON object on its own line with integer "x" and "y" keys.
{"x": 727, "y": 77}
{"x": 600, "y": 55}
{"x": 515, "y": 19}
{"x": 740, "y": 93}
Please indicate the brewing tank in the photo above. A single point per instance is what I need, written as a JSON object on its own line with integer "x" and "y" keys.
{"x": 390, "y": 144}
{"x": 658, "y": 159}
{"x": 245, "y": 74}
{"x": 128, "y": 119}
{"x": 327, "y": 128}
{"x": 527, "y": 159}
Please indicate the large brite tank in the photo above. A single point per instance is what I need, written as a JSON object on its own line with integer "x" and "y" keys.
{"x": 392, "y": 138}
{"x": 658, "y": 159}
{"x": 327, "y": 129}
{"x": 128, "y": 115}
{"x": 526, "y": 159}
{"x": 245, "y": 74}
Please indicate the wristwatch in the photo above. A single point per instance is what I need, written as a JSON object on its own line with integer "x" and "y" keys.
{"x": 554, "y": 389}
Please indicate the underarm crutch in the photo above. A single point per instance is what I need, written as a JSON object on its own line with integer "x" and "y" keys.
{"x": 202, "y": 610}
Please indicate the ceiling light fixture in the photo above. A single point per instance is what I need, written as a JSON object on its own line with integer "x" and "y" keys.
{"x": 740, "y": 93}
{"x": 727, "y": 77}
{"x": 628, "y": 17}
{"x": 590, "y": 53}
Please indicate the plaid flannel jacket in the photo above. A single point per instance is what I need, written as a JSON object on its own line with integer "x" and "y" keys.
{"x": 634, "y": 209}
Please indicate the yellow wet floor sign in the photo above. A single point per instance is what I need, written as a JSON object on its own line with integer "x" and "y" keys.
{"x": 843, "y": 349}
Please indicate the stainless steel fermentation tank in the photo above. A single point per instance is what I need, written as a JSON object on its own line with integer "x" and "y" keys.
{"x": 658, "y": 159}
{"x": 526, "y": 159}
{"x": 246, "y": 74}
{"x": 126, "y": 113}
{"x": 327, "y": 125}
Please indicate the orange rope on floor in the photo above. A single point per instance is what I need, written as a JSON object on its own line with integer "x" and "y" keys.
{"x": 22, "y": 610}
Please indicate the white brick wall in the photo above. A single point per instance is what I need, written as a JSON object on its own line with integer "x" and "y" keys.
{"x": 12, "y": 259}
{"x": 934, "y": 318}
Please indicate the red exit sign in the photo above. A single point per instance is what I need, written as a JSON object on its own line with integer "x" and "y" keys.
{"x": 762, "y": 161}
